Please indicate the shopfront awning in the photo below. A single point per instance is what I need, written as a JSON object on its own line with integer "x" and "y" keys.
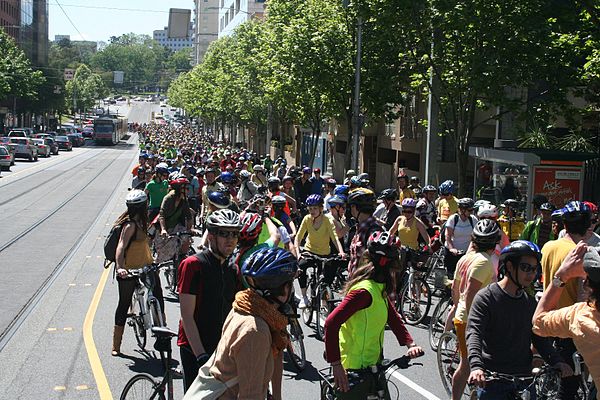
{"x": 528, "y": 157}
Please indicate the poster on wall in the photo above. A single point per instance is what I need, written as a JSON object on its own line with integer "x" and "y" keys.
{"x": 559, "y": 183}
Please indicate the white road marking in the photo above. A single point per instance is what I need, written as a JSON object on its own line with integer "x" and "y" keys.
{"x": 423, "y": 392}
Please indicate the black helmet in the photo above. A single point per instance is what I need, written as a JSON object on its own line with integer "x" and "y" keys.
{"x": 591, "y": 264}
{"x": 466, "y": 202}
{"x": 520, "y": 248}
{"x": 429, "y": 188}
{"x": 363, "y": 199}
{"x": 274, "y": 181}
{"x": 486, "y": 232}
{"x": 389, "y": 194}
{"x": 547, "y": 207}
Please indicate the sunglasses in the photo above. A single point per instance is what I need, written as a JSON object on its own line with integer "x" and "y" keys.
{"x": 528, "y": 268}
{"x": 408, "y": 211}
{"x": 228, "y": 234}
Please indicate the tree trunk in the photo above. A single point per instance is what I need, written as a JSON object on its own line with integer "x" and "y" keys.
{"x": 316, "y": 135}
{"x": 349, "y": 127}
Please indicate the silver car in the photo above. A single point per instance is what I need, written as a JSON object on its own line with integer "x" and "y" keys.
{"x": 7, "y": 158}
{"x": 43, "y": 149}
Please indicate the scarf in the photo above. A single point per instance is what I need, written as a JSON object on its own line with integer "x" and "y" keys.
{"x": 250, "y": 302}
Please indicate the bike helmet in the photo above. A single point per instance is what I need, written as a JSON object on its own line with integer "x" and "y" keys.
{"x": 591, "y": 264}
{"x": 409, "y": 203}
{"x": 429, "y": 188}
{"x": 414, "y": 179}
{"x": 162, "y": 168}
{"x": 520, "y": 248}
{"x": 486, "y": 232}
{"x": 269, "y": 268}
{"x": 593, "y": 208}
{"x": 314, "y": 200}
{"x": 447, "y": 187}
{"x": 355, "y": 181}
{"x": 363, "y": 199}
{"x": 480, "y": 203}
{"x": 418, "y": 192}
{"x": 383, "y": 247}
{"x": 342, "y": 190}
{"x": 557, "y": 214}
{"x": 278, "y": 201}
{"x": 306, "y": 170}
{"x": 336, "y": 201}
{"x": 364, "y": 177}
{"x": 223, "y": 219}
{"x": 219, "y": 199}
{"x": 389, "y": 194}
{"x": 179, "y": 181}
{"x": 251, "y": 227}
{"x": 330, "y": 182}
{"x": 143, "y": 155}
{"x": 547, "y": 207}
{"x": 244, "y": 175}
{"x": 350, "y": 173}
{"x": 258, "y": 168}
{"x": 274, "y": 181}
{"x": 141, "y": 170}
{"x": 576, "y": 211}
{"x": 136, "y": 197}
{"x": 465, "y": 202}
{"x": 287, "y": 178}
{"x": 487, "y": 211}
{"x": 227, "y": 177}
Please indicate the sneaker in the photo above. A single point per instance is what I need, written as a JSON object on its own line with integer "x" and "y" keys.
{"x": 303, "y": 303}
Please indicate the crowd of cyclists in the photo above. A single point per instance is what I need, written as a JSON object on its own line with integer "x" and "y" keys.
{"x": 260, "y": 219}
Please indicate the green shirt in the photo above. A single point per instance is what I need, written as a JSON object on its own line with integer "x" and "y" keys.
{"x": 157, "y": 192}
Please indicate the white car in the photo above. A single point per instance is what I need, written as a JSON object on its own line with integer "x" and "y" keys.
{"x": 25, "y": 148}
{"x": 43, "y": 149}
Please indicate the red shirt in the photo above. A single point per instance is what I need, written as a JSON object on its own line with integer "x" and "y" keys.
{"x": 225, "y": 163}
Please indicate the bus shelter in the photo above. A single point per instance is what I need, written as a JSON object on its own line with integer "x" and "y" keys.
{"x": 520, "y": 174}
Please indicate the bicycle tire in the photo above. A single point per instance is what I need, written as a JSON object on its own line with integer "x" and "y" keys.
{"x": 296, "y": 350}
{"x": 327, "y": 393}
{"x": 437, "y": 324}
{"x": 324, "y": 308}
{"x": 448, "y": 356}
{"x": 414, "y": 310}
{"x": 307, "y": 312}
{"x": 141, "y": 387}
{"x": 140, "y": 331}
{"x": 156, "y": 313}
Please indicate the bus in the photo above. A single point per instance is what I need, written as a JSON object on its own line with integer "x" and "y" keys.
{"x": 109, "y": 130}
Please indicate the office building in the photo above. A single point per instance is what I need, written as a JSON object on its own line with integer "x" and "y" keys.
{"x": 206, "y": 27}
{"x": 174, "y": 44}
{"x": 235, "y": 12}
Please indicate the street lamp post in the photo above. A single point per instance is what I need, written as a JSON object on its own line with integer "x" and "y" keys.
{"x": 356, "y": 112}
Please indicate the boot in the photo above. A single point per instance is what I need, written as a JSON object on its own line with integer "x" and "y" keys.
{"x": 117, "y": 336}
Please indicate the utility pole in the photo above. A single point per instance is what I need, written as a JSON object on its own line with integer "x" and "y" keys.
{"x": 356, "y": 112}
{"x": 432, "y": 143}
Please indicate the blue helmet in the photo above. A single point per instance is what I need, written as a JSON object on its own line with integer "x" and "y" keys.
{"x": 314, "y": 200}
{"x": 342, "y": 190}
{"x": 520, "y": 248}
{"x": 219, "y": 199}
{"x": 270, "y": 268}
{"x": 447, "y": 187}
{"x": 336, "y": 200}
{"x": 227, "y": 177}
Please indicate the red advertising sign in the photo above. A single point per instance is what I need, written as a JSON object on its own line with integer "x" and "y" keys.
{"x": 559, "y": 183}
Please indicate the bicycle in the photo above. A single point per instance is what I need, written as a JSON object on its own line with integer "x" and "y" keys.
{"x": 448, "y": 357}
{"x": 543, "y": 381}
{"x": 145, "y": 308}
{"x": 414, "y": 300}
{"x": 296, "y": 350}
{"x": 321, "y": 296}
{"x": 379, "y": 372}
{"x": 143, "y": 386}
{"x": 439, "y": 319}
{"x": 171, "y": 266}
{"x": 585, "y": 380}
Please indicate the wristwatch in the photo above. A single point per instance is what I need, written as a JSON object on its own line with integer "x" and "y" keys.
{"x": 557, "y": 282}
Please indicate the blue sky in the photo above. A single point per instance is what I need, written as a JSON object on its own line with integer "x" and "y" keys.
{"x": 98, "y": 21}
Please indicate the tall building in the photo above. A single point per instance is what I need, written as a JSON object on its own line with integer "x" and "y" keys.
{"x": 174, "y": 44}
{"x": 10, "y": 17}
{"x": 26, "y": 21}
{"x": 206, "y": 27}
{"x": 235, "y": 12}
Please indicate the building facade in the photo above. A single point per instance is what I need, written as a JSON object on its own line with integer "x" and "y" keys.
{"x": 206, "y": 27}
{"x": 174, "y": 44}
{"x": 10, "y": 17}
{"x": 235, "y": 12}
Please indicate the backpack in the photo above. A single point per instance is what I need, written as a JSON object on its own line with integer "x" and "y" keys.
{"x": 111, "y": 243}
{"x": 443, "y": 228}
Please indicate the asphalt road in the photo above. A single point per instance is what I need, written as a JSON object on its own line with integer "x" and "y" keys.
{"x": 57, "y": 308}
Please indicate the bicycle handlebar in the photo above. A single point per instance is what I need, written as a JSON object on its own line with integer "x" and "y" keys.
{"x": 326, "y": 259}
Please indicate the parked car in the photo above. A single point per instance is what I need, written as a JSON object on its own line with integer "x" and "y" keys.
{"x": 42, "y": 148}
{"x": 42, "y": 135}
{"x": 76, "y": 139}
{"x": 25, "y": 148}
{"x": 49, "y": 140}
{"x": 66, "y": 130}
{"x": 88, "y": 132}
{"x": 7, "y": 158}
{"x": 21, "y": 132}
{"x": 63, "y": 143}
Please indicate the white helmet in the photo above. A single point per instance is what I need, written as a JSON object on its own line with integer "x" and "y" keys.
{"x": 487, "y": 211}
{"x": 136, "y": 197}
{"x": 224, "y": 218}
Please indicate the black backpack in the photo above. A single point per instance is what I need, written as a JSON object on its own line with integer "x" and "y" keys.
{"x": 111, "y": 243}
{"x": 443, "y": 228}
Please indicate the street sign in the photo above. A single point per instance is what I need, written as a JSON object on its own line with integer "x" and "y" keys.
{"x": 118, "y": 77}
{"x": 69, "y": 74}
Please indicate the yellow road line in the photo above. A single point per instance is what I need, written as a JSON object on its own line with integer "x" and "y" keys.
{"x": 90, "y": 346}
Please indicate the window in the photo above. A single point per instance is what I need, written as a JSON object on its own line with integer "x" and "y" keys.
{"x": 237, "y": 6}
{"x": 390, "y": 129}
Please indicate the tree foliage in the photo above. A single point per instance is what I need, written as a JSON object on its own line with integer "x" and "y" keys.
{"x": 17, "y": 77}
{"x": 85, "y": 87}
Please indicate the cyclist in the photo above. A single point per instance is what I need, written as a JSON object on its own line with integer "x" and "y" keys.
{"x": 259, "y": 177}
{"x": 275, "y": 190}
{"x": 499, "y": 336}
{"x": 579, "y": 322}
{"x": 354, "y": 330}
{"x": 139, "y": 181}
{"x": 403, "y": 189}
{"x": 490, "y": 211}
{"x": 319, "y": 231}
{"x": 317, "y": 182}
{"x": 426, "y": 210}
{"x": 576, "y": 218}
{"x": 133, "y": 252}
{"x": 228, "y": 180}
{"x": 207, "y": 285}
{"x": 539, "y": 231}
{"x": 388, "y": 211}
{"x": 415, "y": 183}
{"x": 330, "y": 185}
{"x": 361, "y": 203}
{"x": 408, "y": 227}
{"x": 211, "y": 186}
{"x": 252, "y": 226}
{"x": 247, "y": 188}
{"x": 157, "y": 189}
{"x": 510, "y": 222}
{"x": 474, "y": 272}
{"x": 337, "y": 210}
{"x": 278, "y": 211}
{"x": 447, "y": 204}
{"x": 459, "y": 229}
{"x": 303, "y": 187}
{"x": 288, "y": 188}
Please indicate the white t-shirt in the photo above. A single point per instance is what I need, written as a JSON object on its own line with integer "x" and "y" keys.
{"x": 462, "y": 231}
{"x": 380, "y": 211}
{"x": 285, "y": 236}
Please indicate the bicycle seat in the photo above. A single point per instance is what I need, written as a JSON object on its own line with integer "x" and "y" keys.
{"x": 161, "y": 331}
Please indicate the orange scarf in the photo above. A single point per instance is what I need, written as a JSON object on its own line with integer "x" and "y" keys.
{"x": 250, "y": 302}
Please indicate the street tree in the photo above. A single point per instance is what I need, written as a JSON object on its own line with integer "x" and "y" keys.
{"x": 85, "y": 88}
{"x": 17, "y": 77}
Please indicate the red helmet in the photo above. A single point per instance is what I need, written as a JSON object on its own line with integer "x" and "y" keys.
{"x": 179, "y": 181}
{"x": 251, "y": 227}
{"x": 592, "y": 206}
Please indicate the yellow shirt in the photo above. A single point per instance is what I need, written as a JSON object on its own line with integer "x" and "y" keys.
{"x": 447, "y": 207}
{"x": 579, "y": 322}
{"x": 317, "y": 241}
{"x": 553, "y": 254}
{"x": 408, "y": 234}
{"x": 406, "y": 193}
{"x": 512, "y": 229}
{"x": 138, "y": 254}
{"x": 478, "y": 266}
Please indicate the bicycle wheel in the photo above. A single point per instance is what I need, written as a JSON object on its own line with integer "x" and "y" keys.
{"x": 327, "y": 392}
{"x": 307, "y": 313}
{"x": 170, "y": 278}
{"x": 142, "y": 387}
{"x": 448, "y": 357}
{"x": 437, "y": 324}
{"x": 296, "y": 350}
{"x": 156, "y": 313}
{"x": 137, "y": 322}
{"x": 324, "y": 308}
{"x": 415, "y": 301}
